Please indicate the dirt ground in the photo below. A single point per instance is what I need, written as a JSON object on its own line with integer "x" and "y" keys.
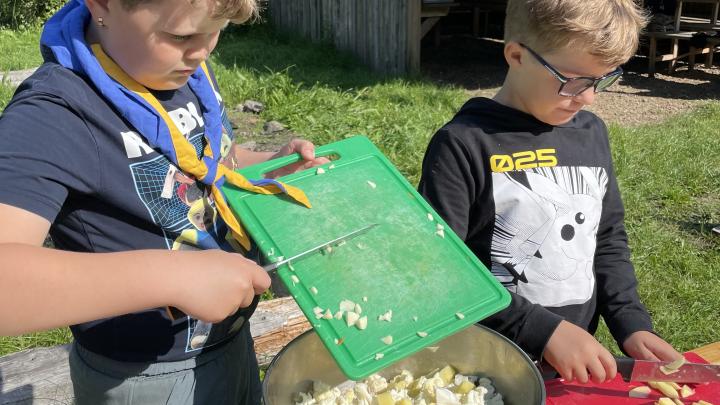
{"x": 477, "y": 65}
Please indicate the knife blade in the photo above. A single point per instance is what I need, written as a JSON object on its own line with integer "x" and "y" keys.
{"x": 644, "y": 370}
{"x": 304, "y": 254}
{"x": 205, "y": 326}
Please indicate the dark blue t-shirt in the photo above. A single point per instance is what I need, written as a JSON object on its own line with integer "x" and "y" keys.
{"x": 68, "y": 156}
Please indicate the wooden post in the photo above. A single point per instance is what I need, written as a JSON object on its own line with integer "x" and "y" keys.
{"x": 413, "y": 35}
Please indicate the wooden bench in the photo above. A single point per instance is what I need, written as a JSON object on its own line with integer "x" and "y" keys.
{"x": 710, "y": 50}
{"x": 432, "y": 11}
{"x": 42, "y": 376}
{"x": 683, "y": 29}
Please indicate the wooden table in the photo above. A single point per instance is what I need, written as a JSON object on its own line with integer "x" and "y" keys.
{"x": 710, "y": 352}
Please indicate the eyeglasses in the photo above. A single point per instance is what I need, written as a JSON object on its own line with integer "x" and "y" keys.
{"x": 573, "y": 86}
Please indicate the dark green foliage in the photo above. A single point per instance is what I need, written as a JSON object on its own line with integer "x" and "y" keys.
{"x": 21, "y": 14}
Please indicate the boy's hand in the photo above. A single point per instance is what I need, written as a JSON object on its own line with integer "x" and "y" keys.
{"x": 643, "y": 345}
{"x": 306, "y": 150}
{"x": 213, "y": 284}
{"x": 574, "y": 354}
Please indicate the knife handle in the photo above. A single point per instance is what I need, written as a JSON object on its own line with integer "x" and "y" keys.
{"x": 625, "y": 367}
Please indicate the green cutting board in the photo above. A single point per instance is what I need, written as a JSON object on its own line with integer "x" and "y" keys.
{"x": 433, "y": 284}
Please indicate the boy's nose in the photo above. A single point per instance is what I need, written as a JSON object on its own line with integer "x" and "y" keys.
{"x": 587, "y": 97}
{"x": 198, "y": 53}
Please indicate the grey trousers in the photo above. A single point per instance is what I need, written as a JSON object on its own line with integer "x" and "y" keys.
{"x": 226, "y": 375}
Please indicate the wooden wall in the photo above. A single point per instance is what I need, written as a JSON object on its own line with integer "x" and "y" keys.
{"x": 384, "y": 34}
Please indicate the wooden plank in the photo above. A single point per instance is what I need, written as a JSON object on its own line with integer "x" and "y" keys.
{"x": 42, "y": 376}
{"x": 710, "y": 352}
{"x": 413, "y": 35}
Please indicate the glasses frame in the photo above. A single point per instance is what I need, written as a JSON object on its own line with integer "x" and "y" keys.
{"x": 565, "y": 80}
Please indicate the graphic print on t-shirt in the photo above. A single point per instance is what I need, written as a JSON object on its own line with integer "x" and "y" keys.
{"x": 546, "y": 222}
{"x": 180, "y": 205}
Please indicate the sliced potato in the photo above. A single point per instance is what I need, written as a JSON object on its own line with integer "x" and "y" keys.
{"x": 673, "y": 366}
{"x": 665, "y": 388}
{"x": 686, "y": 391}
{"x": 447, "y": 374}
{"x": 639, "y": 392}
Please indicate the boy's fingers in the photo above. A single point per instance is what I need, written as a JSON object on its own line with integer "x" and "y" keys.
{"x": 305, "y": 148}
{"x": 580, "y": 374}
{"x": 261, "y": 281}
{"x": 608, "y": 363}
{"x": 597, "y": 371}
{"x": 665, "y": 352}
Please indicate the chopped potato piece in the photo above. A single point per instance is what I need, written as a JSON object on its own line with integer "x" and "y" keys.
{"x": 384, "y": 399}
{"x": 464, "y": 387}
{"x": 673, "y": 366}
{"x": 675, "y": 385}
{"x": 639, "y": 392}
{"x": 430, "y": 217}
{"x": 362, "y": 323}
{"x": 320, "y": 170}
{"x": 686, "y": 391}
{"x": 328, "y": 314}
{"x": 351, "y": 318}
{"x": 339, "y": 315}
{"x": 379, "y": 356}
{"x": 314, "y": 290}
{"x": 294, "y": 279}
{"x": 665, "y": 388}
{"x": 387, "y": 340}
{"x": 664, "y": 401}
{"x": 440, "y": 233}
{"x": 358, "y": 309}
{"x": 347, "y": 305}
{"x": 447, "y": 374}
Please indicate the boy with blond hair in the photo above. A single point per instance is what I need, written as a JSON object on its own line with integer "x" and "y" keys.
{"x": 526, "y": 179}
{"x": 100, "y": 147}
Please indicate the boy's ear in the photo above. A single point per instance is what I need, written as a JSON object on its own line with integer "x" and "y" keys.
{"x": 513, "y": 54}
{"x": 98, "y": 8}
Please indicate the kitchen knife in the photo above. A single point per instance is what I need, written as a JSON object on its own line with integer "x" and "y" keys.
{"x": 644, "y": 370}
{"x": 302, "y": 255}
{"x": 174, "y": 313}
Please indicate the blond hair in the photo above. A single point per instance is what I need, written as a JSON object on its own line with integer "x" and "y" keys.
{"x": 237, "y": 11}
{"x": 609, "y": 29}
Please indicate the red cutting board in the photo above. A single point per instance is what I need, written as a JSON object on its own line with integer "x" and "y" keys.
{"x": 616, "y": 391}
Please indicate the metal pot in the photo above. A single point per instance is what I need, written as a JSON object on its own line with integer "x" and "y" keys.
{"x": 474, "y": 351}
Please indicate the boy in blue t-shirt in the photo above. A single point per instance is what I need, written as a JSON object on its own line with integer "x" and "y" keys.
{"x": 118, "y": 145}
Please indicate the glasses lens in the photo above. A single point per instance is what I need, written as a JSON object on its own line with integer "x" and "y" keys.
{"x": 575, "y": 86}
{"x": 607, "y": 82}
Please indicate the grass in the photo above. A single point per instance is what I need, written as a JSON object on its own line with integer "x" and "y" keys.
{"x": 19, "y": 50}
{"x": 668, "y": 172}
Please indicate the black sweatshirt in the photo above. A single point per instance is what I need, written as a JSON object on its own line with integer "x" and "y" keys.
{"x": 539, "y": 205}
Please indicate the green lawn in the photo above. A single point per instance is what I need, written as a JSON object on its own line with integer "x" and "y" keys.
{"x": 669, "y": 173}
{"x": 19, "y": 49}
